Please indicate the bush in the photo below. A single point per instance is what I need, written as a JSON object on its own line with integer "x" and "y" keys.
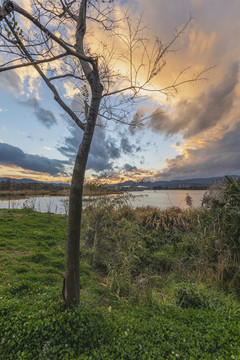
{"x": 188, "y": 295}
{"x": 220, "y": 225}
{"x": 161, "y": 262}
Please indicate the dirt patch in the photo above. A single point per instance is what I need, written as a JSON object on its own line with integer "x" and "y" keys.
{"x": 22, "y": 252}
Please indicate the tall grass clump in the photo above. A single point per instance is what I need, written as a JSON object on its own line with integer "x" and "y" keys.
{"x": 112, "y": 242}
{"x": 139, "y": 251}
{"x": 218, "y": 239}
{"x": 134, "y": 249}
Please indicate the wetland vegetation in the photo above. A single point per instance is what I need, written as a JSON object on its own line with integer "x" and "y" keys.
{"x": 155, "y": 284}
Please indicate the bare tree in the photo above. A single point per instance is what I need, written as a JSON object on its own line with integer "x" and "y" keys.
{"x": 50, "y": 37}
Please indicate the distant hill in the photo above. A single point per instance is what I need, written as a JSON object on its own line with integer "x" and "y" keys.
{"x": 161, "y": 184}
{"x": 19, "y": 180}
{"x": 175, "y": 184}
{"x": 25, "y": 181}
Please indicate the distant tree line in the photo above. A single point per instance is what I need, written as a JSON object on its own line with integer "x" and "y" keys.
{"x": 9, "y": 185}
{"x": 189, "y": 187}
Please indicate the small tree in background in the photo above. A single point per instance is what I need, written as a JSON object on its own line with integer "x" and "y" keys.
{"x": 51, "y": 38}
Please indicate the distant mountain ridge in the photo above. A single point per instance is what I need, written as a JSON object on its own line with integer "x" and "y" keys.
{"x": 19, "y": 180}
{"x": 164, "y": 184}
{"x": 25, "y": 181}
{"x": 173, "y": 184}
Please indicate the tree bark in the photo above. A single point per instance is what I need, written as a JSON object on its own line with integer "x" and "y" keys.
{"x": 71, "y": 287}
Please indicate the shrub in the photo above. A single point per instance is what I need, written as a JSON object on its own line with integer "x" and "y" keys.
{"x": 189, "y": 295}
{"x": 161, "y": 261}
{"x": 219, "y": 231}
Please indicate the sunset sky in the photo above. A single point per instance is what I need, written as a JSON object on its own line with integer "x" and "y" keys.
{"x": 193, "y": 133}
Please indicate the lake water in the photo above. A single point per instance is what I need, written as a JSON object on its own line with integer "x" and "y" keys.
{"x": 162, "y": 199}
{"x": 166, "y": 198}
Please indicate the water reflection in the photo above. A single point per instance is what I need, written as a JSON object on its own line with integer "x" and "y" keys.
{"x": 167, "y": 198}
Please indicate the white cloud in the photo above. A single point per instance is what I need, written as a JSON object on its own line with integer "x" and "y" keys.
{"x": 21, "y": 133}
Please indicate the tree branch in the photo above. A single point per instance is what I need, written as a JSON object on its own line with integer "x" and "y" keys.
{"x": 64, "y": 76}
{"x": 13, "y": 67}
{"x": 66, "y": 9}
{"x": 80, "y": 33}
{"x": 57, "y": 97}
{"x": 9, "y": 6}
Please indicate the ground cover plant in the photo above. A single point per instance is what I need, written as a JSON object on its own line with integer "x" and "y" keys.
{"x": 154, "y": 285}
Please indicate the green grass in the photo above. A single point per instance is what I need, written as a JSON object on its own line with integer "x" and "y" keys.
{"x": 163, "y": 319}
{"x": 32, "y": 251}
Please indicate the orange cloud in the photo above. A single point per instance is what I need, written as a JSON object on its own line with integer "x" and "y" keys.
{"x": 117, "y": 177}
{"x": 200, "y": 42}
{"x": 16, "y": 172}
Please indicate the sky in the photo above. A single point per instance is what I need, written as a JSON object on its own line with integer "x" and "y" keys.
{"x": 191, "y": 133}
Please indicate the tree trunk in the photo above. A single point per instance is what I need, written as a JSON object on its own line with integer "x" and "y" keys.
{"x": 71, "y": 286}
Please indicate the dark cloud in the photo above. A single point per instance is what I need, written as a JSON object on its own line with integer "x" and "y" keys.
{"x": 137, "y": 120}
{"x": 126, "y": 147}
{"x": 159, "y": 121}
{"x": 129, "y": 168}
{"x": 213, "y": 106}
{"x": 219, "y": 157}
{"x": 71, "y": 144}
{"x": 46, "y": 117}
{"x": 10, "y": 81}
{"x": 102, "y": 152}
{"x": 204, "y": 112}
{"x": 14, "y": 156}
